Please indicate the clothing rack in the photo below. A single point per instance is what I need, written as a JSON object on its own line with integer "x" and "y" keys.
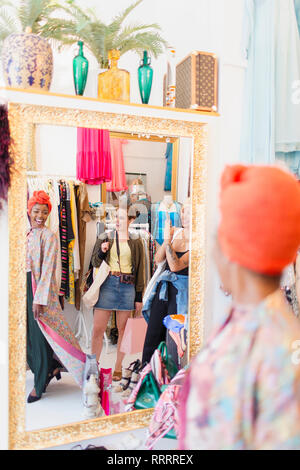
{"x": 139, "y": 226}
{"x": 45, "y": 175}
{"x": 133, "y": 226}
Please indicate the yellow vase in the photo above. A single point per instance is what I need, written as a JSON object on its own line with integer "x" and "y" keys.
{"x": 114, "y": 84}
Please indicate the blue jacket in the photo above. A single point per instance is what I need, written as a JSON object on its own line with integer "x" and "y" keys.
{"x": 179, "y": 281}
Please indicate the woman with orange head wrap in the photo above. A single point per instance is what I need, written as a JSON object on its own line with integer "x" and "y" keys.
{"x": 243, "y": 389}
{"x": 48, "y": 333}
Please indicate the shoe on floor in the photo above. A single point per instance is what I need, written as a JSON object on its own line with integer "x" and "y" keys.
{"x": 32, "y": 398}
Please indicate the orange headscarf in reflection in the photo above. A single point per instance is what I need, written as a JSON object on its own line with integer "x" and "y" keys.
{"x": 39, "y": 197}
{"x": 260, "y": 217}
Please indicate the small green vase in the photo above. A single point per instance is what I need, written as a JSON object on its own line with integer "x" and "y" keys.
{"x": 145, "y": 76}
{"x": 80, "y": 70}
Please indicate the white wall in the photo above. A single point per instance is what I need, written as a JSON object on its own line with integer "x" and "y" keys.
{"x": 225, "y": 36}
{"x": 149, "y": 158}
{"x": 207, "y": 25}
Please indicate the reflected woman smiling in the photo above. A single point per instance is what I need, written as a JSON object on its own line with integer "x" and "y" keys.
{"x": 51, "y": 345}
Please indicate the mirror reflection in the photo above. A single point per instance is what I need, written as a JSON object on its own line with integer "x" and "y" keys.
{"x": 108, "y": 252}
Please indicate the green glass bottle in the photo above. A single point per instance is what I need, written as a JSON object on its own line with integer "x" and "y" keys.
{"x": 80, "y": 70}
{"x": 145, "y": 76}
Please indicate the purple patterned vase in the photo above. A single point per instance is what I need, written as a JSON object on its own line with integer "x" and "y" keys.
{"x": 27, "y": 61}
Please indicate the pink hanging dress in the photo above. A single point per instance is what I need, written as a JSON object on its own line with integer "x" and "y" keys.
{"x": 94, "y": 165}
{"x": 118, "y": 181}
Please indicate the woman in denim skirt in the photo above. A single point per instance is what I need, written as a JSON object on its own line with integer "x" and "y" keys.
{"x": 123, "y": 289}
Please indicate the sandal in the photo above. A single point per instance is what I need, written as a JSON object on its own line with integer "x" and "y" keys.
{"x": 131, "y": 368}
{"x": 133, "y": 383}
{"x": 124, "y": 384}
{"x": 117, "y": 376}
{"x": 134, "y": 379}
{"x": 126, "y": 378}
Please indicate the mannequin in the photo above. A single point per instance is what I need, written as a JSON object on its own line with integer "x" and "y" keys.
{"x": 139, "y": 197}
{"x": 137, "y": 190}
{"x": 159, "y": 215}
{"x": 167, "y": 204}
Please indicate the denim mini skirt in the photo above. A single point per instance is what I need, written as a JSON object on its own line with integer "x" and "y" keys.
{"x": 115, "y": 295}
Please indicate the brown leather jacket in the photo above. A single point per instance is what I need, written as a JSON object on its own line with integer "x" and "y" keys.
{"x": 137, "y": 259}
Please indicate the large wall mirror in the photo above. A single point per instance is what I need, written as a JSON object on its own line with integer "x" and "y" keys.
{"x": 157, "y": 166}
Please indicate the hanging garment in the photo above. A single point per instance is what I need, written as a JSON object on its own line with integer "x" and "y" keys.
{"x": 71, "y": 241}
{"x": 147, "y": 259}
{"x": 145, "y": 237}
{"x": 76, "y": 256}
{"x": 93, "y": 156}
{"x": 244, "y": 394}
{"x": 118, "y": 180}
{"x": 158, "y": 220}
{"x": 53, "y": 223}
{"x": 41, "y": 262}
{"x": 64, "y": 287}
{"x": 152, "y": 252}
{"x": 168, "y": 177}
{"x": 83, "y": 216}
{"x": 292, "y": 159}
{"x": 271, "y": 118}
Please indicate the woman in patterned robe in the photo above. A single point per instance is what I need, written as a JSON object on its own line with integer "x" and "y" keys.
{"x": 48, "y": 334}
{"x": 242, "y": 391}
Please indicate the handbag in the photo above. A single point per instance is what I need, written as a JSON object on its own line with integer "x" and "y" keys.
{"x": 165, "y": 419}
{"x": 167, "y": 360}
{"x": 91, "y": 296}
{"x": 105, "y": 381}
{"x": 87, "y": 280}
{"x": 148, "y": 390}
{"x": 148, "y": 394}
{"x": 134, "y": 336}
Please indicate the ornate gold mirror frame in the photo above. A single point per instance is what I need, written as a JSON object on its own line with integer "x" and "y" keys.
{"x": 23, "y": 119}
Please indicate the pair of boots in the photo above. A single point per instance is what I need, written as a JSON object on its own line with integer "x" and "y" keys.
{"x": 130, "y": 378}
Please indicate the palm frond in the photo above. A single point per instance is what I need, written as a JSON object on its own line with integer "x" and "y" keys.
{"x": 128, "y": 31}
{"x": 30, "y": 10}
{"x": 151, "y": 42}
{"x": 8, "y": 3}
{"x": 75, "y": 12}
{"x": 67, "y": 32}
{"x": 119, "y": 19}
{"x": 64, "y": 22}
{"x": 8, "y": 24}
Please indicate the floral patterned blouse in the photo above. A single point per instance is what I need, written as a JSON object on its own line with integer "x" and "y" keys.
{"x": 243, "y": 389}
{"x": 41, "y": 261}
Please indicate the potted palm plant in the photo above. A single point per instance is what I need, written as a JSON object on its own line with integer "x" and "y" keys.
{"x": 26, "y": 56}
{"x": 27, "y": 29}
{"x": 108, "y": 42}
